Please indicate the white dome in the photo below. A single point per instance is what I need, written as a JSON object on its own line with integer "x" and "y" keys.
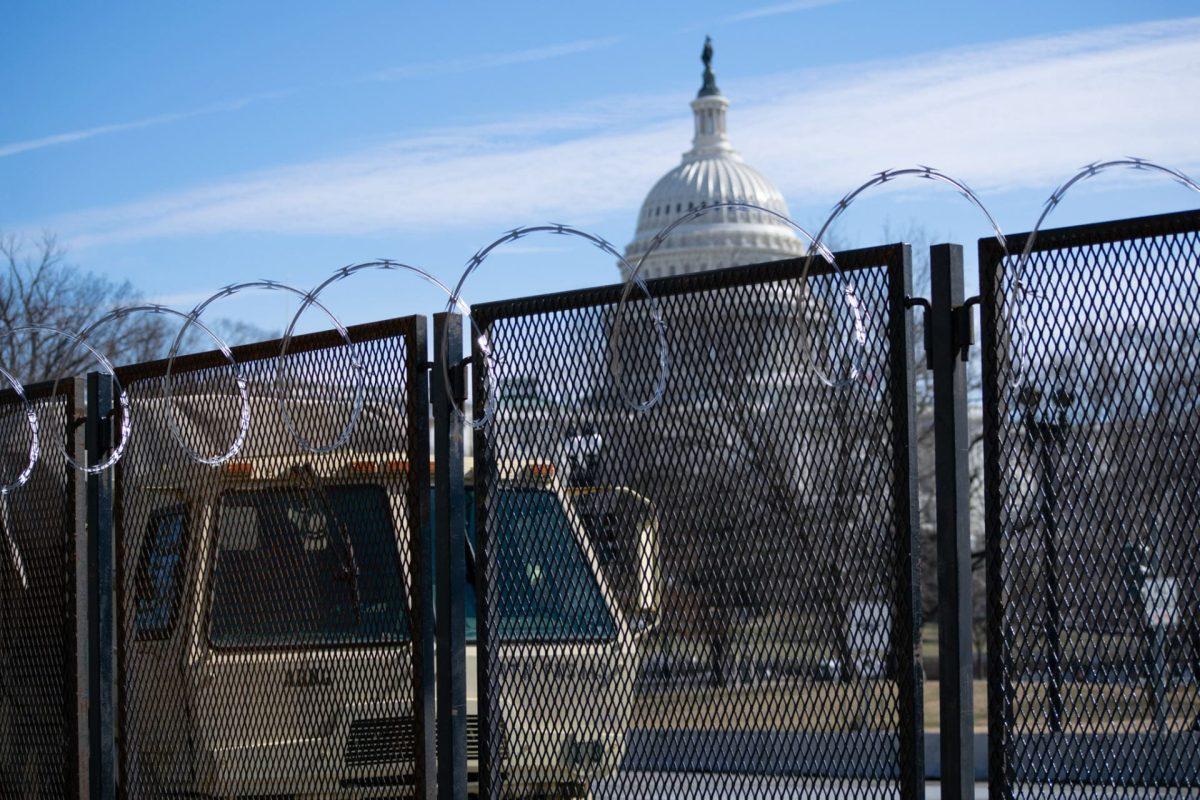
{"x": 712, "y": 172}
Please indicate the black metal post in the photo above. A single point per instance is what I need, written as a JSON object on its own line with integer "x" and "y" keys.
{"x": 906, "y": 624}
{"x": 79, "y": 630}
{"x": 490, "y": 732}
{"x": 422, "y": 554}
{"x": 947, "y": 359}
{"x": 450, "y": 535}
{"x": 1001, "y": 721}
{"x": 101, "y": 572}
{"x": 1046, "y": 435}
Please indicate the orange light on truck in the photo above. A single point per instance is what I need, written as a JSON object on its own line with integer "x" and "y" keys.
{"x": 238, "y": 469}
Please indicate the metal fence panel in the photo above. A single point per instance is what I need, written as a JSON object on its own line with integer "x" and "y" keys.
{"x": 263, "y": 606}
{"x": 717, "y": 597}
{"x": 1092, "y": 439}
{"x": 41, "y": 704}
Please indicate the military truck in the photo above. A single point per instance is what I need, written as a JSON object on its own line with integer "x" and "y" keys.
{"x": 268, "y": 639}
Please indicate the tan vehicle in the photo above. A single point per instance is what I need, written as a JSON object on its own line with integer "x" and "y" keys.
{"x": 270, "y": 652}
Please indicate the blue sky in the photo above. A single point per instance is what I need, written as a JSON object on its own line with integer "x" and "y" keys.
{"x": 186, "y": 146}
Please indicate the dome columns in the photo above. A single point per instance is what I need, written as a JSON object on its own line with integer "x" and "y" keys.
{"x": 710, "y": 138}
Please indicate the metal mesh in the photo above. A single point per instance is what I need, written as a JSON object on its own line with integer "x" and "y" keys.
{"x": 714, "y": 598}
{"x": 38, "y": 672}
{"x": 263, "y": 606}
{"x": 1093, "y": 435}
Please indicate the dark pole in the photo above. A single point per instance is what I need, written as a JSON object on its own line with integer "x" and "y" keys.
{"x": 79, "y": 630}
{"x": 421, "y": 553}
{"x": 1046, "y": 436}
{"x": 450, "y": 568}
{"x": 490, "y": 773}
{"x": 949, "y": 348}
{"x": 906, "y": 622}
{"x": 101, "y": 569}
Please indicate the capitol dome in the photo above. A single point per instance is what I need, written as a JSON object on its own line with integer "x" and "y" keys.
{"x": 711, "y": 172}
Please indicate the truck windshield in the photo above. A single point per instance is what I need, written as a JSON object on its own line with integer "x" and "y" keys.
{"x": 279, "y": 575}
{"x": 545, "y": 586}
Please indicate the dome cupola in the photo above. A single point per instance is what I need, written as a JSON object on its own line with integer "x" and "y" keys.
{"x": 711, "y": 172}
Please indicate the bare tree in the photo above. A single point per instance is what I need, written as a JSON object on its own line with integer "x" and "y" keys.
{"x": 39, "y": 287}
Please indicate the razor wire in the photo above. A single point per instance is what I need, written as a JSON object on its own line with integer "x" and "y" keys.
{"x": 105, "y": 364}
{"x": 920, "y": 172}
{"x": 389, "y": 265}
{"x": 559, "y": 229}
{"x": 172, "y": 423}
{"x": 307, "y": 299}
{"x": 10, "y": 542}
{"x": 815, "y": 247}
{"x": 456, "y": 302}
{"x": 1017, "y": 317}
{"x": 34, "y": 435}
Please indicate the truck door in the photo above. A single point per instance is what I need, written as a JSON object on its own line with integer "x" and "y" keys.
{"x": 159, "y": 714}
{"x": 305, "y": 651}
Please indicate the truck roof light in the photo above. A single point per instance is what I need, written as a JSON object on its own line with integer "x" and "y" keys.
{"x": 238, "y": 469}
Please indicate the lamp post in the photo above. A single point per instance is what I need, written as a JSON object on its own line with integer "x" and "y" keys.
{"x": 1046, "y": 428}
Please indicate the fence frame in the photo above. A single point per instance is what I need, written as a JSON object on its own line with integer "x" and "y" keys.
{"x": 77, "y": 595}
{"x": 906, "y": 638}
{"x": 450, "y": 566}
{"x": 992, "y": 257}
{"x": 948, "y": 340}
{"x": 413, "y": 330}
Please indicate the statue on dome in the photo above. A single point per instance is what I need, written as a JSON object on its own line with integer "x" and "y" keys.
{"x": 710, "y": 80}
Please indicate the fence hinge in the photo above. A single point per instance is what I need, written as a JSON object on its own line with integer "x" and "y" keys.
{"x": 457, "y": 378}
{"x": 964, "y": 327}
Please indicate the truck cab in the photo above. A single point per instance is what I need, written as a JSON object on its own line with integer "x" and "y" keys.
{"x": 269, "y": 647}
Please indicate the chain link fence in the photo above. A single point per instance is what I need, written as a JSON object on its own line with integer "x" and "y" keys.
{"x": 264, "y": 606}
{"x": 42, "y": 577}
{"x": 718, "y": 595}
{"x": 1093, "y": 531}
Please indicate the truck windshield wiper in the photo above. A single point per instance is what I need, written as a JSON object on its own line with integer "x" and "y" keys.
{"x": 312, "y": 482}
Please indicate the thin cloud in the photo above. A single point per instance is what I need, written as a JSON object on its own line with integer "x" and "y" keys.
{"x": 13, "y": 148}
{"x": 990, "y": 115}
{"x": 779, "y": 8}
{"x": 411, "y": 71}
{"x": 485, "y": 61}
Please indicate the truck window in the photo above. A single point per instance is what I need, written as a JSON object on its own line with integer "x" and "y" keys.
{"x": 160, "y": 573}
{"x": 280, "y": 570}
{"x": 547, "y": 590}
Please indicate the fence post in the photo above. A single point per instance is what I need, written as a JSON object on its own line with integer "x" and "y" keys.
{"x": 78, "y": 785}
{"x": 450, "y": 537}
{"x": 422, "y": 553}
{"x": 906, "y": 624}
{"x": 101, "y": 573}
{"x": 490, "y": 773}
{"x": 950, "y": 342}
